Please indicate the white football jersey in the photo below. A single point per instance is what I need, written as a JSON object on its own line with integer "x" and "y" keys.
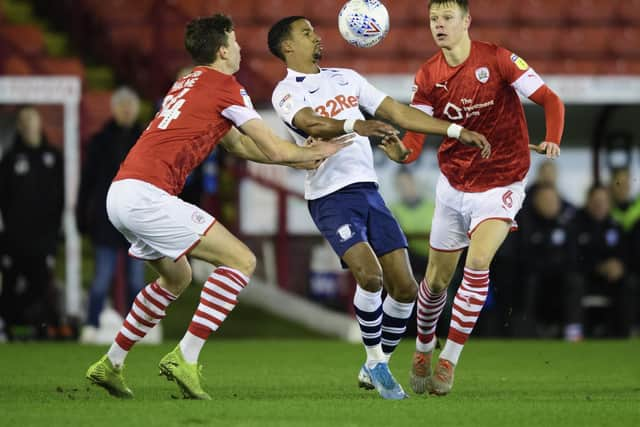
{"x": 338, "y": 93}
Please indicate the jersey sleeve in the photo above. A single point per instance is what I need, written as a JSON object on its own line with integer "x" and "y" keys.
{"x": 236, "y": 106}
{"x": 419, "y": 93}
{"x": 287, "y": 102}
{"x": 517, "y": 73}
{"x": 369, "y": 97}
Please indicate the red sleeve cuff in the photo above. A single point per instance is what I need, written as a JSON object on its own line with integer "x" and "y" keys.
{"x": 414, "y": 142}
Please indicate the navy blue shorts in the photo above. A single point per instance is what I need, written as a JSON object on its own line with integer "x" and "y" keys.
{"x": 354, "y": 214}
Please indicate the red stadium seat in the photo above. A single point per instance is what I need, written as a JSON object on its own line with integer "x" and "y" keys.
{"x": 121, "y": 11}
{"x": 137, "y": 37}
{"x": 324, "y": 12}
{"x": 625, "y": 42}
{"x": 60, "y": 66}
{"x": 16, "y": 65}
{"x": 622, "y": 66}
{"x": 407, "y": 13}
{"x": 269, "y": 12}
{"x": 334, "y": 45}
{"x": 172, "y": 38}
{"x": 591, "y": 11}
{"x": 413, "y": 42}
{"x": 96, "y": 110}
{"x": 541, "y": 12}
{"x": 533, "y": 42}
{"x": 495, "y": 35}
{"x": 585, "y": 42}
{"x": 253, "y": 40}
{"x": 568, "y": 66}
{"x": 27, "y": 39}
{"x": 493, "y": 12}
{"x": 628, "y": 11}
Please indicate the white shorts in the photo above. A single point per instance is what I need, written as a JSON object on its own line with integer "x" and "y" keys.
{"x": 156, "y": 223}
{"x": 457, "y": 214}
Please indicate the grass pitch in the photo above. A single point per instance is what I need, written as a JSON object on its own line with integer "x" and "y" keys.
{"x": 313, "y": 383}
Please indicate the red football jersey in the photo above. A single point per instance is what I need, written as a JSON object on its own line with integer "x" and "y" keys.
{"x": 480, "y": 94}
{"x": 197, "y": 112}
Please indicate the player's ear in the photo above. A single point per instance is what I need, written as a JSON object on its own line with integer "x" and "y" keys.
{"x": 466, "y": 19}
{"x": 223, "y": 52}
{"x": 286, "y": 46}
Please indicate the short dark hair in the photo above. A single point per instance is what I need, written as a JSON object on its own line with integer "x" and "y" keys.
{"x": 279, "y": 32}
{"x": 463, "y": 4}
{"x": 204, "y": 36}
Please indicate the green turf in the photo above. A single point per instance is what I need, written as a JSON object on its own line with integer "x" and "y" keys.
{"x": 313, "y": 383}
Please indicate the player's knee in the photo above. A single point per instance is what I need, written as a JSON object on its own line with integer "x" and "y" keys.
{"x": 245, "y": 263}
{"x": 405, "y": 292}
{"x": 370, "y": 281}
{"x": 479, "y": 262}
{"x": 179, "y": 281}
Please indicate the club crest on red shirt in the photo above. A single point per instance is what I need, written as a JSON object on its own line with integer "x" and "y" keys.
{"x": 482, "y": 74}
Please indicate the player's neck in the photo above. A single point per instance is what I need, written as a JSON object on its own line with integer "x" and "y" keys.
{"x": 458, "y": 53}
{"x": 304, "y": 67}
{"x": 222, "y": 67}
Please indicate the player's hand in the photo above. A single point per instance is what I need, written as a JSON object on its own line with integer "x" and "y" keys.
{"x": 475, "y": 139}
{"x": 394, "y": 148}
{"x": 550, "y": 149}
{"x": 374, "y": 128}
{"x": 329, "y": 146}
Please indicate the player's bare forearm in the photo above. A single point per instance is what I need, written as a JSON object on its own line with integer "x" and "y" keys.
{"x": 318, "y": 126}
{"x": 411, "y": 118}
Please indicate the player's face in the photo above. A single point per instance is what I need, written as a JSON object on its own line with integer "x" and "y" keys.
{"x": 233, "y": 51}
{"x": 448, "y": 23}
{"x": 305, "y": 41}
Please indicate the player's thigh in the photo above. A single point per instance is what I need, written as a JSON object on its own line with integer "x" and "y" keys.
{"x": 398, "y": 277}
{"x": 363, "y": 263}
{"x": 175, "y": 276}
{"x": 441, "y": 268}
{"x": 485, "y": 242}
{"x": 219, "y": 247}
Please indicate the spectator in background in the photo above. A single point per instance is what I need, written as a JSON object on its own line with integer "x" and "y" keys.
{"x": 625, "y": 210}
{"x": 550, "y": 283}
{"x": 31, "y": 205}
{"x": 547, "y": 174}
{"x": 601, "y": 251}
{"x": 414, "y": 213}
{"x": 106, "y": 150}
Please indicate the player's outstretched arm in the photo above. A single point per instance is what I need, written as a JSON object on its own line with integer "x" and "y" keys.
{"x": 415, "y": 120}
{"x": 262, "y": 145}
{"x": 554, "y": 120}
{"x": 319, "y": 126}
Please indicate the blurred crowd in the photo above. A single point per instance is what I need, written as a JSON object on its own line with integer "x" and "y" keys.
{"x": 569, "y": 272}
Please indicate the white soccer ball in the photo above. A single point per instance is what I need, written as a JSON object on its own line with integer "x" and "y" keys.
{"x": 363, "y": 23}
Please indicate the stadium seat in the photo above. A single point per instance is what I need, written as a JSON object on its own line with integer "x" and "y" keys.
{"x": 324, "y": 12}
{"x": 413, "y": 42}
{"x": 495, "y": 35}
{"x": 541, "y": 12}
{"x": 585, "y": 42}
{"x": 334, "y": 45}
{"x": 27, "y": 39}
{"x": 16, "y": 65}
{"x": 253, "y": 40}
{"x": 120, "y": 11}
{"x": 533, "y": 42}
{"x": 492, "y": 12}
{"x": 583, "y": 12}
{"x": 172, "y": 38}
{"x": 628, "y": 11}
{"x": 269, "y": 12}
{"x": 407, "y": 13}
{"x": 60, "y": 66}
{"x": 138, "y": 37}
{"x": 625, "y": 42}
{"x": 622, "y": 66}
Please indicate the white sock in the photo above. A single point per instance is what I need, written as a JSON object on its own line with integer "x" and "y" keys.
{"x": 425, "y": 347}
{"x": 451, "y": 352}
{"x": 375, "y": 355}
{"x": 191, "y": 345}
{"x": 116, "y": 355}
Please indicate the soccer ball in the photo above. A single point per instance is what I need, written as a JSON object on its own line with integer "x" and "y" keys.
{"x": 363, "y": 23}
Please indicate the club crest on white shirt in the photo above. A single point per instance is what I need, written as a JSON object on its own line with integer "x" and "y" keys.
{"x": 482, "y": 74}
{"x": 345, "y": 232}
